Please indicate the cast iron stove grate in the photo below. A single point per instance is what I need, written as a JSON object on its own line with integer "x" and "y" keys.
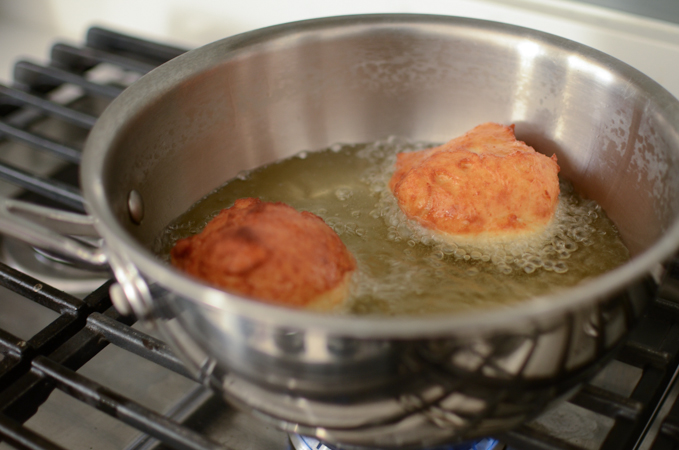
{"x": 72, "y": 89}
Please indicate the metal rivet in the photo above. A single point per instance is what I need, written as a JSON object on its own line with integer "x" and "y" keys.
{"x": 135, "y": 206}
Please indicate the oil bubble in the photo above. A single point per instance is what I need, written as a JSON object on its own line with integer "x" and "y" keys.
{"x": 343, "y": 194}
{"x": 570, "y": 246}
{"x": 504, "y": 269}
{"x": 449, "y": 249}
{"x": 560, "y": 267}
{"x": 400, "y": 261}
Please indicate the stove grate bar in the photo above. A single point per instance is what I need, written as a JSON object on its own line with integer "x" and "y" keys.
{"x": 81, "y": 59}
{"x": 72, "y": 348}
{"x": 525, "y": 438}
{"x": 11, "y": 344}
{"x": 607, "y": 403}
{"x": 108, "y": 40}
{"x": 38, "y": 142}
{"x": 139, "y": 343}
{"x": 43, "y": 294}
{"x": 122, "y": 408}
{"x": 179, "y": 413}
{"x": 21, "y": 437}
{"x": 44, "y": 342}
{"x": 73, "y": 313}
{"x": 651, "y": 387}
{"x": 35, "y": 77}
{"x": 48, "y": 188}
{"x": 54, "y": 109}
{"x": 640, "y": 355}
{"x": 39, "y": 341}
{"x": 63, "y": 193}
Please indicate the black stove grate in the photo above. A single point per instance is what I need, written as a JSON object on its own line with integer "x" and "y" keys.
{"x": 28, "y": 100}
{"x": 30, "y": 370}
{"x": 652, "y": 347}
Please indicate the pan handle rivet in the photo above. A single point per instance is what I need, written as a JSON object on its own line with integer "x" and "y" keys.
{"x": 135, "y": 206}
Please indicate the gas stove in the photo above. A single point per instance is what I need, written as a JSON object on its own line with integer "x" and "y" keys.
{"x": 74, "y": 374}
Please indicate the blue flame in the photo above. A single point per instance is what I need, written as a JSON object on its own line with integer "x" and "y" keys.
{"x": 309, "y": 443}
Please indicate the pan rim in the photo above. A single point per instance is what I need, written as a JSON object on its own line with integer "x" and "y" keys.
{"x": 105, "y": 134}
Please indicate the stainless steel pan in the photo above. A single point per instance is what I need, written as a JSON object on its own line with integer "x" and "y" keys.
{"x": 195, "y": 122}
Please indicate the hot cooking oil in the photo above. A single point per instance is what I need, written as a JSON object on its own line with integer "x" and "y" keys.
{"x": 403, "y": 268}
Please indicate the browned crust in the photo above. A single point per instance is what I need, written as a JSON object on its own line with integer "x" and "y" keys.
{"x": 483, "y": 184}
{"x": 269, "y": 251}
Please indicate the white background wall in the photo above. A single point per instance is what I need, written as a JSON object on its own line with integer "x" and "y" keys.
{"x": 28, "y": 27}
{"x": 195, "y": 22}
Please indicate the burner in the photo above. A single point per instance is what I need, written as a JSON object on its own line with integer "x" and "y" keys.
{"x": 59, "y": 274}
{"x": 309, "y": 443}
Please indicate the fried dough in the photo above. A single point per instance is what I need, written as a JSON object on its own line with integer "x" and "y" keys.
{"x": 272, "y": 252}
{"x": 484, "y": 186}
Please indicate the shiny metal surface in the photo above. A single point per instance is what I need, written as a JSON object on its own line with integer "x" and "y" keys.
{"x": 135, "y": 205}
{"x": 52, "y": 230}
{"x": 197, "y": 121}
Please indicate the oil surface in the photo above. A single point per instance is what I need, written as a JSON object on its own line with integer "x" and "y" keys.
{"x": 403, "y": 268}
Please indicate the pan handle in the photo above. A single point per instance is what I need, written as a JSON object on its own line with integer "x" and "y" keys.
{"x": 69, "y": 235}
{"x": 53, "y": 230}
